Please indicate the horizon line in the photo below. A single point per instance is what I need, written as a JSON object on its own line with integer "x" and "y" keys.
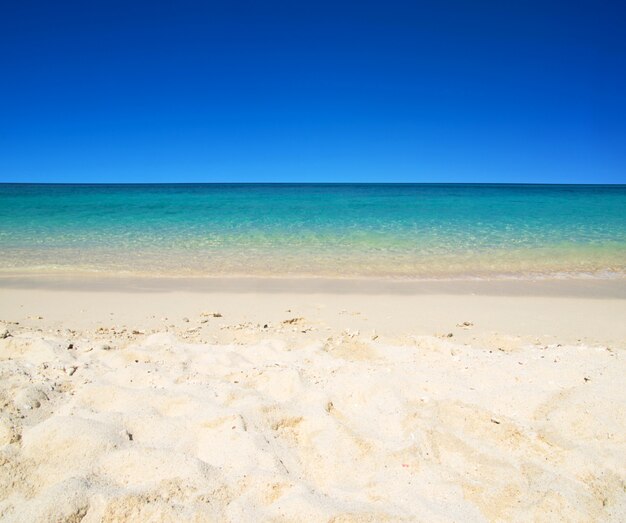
{"x": 319, "y": 183}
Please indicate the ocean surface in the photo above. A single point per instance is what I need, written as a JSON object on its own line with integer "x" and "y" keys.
{"x": 353, "y": 230}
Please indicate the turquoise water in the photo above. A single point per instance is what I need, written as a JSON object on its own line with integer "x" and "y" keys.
{"x": 415, "y": 231}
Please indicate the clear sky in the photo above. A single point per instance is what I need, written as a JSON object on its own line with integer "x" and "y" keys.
{"x": 123, "y": 91}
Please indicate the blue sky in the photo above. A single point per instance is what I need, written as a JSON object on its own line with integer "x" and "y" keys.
{"x": 313, "y": 91}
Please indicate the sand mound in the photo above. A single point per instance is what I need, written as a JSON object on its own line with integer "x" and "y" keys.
{"x": 346, "y": 428}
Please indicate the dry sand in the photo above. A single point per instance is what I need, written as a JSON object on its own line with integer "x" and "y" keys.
{"x": 274, "y": 401}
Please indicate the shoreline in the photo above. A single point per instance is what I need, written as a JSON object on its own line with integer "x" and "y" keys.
{"x": 584, "y": 287}
{"x": 575, "y": 311}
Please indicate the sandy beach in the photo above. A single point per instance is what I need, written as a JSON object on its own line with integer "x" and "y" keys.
{"x": 278, "y": 400}
{"x": 313, "y": 262}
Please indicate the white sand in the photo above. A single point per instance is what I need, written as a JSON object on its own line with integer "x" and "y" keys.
{"x": 312, "y": 406}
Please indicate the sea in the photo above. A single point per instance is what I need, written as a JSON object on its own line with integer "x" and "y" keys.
{"x": 410, "y": 231}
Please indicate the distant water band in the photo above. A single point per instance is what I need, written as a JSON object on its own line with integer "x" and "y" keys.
{"x": 362, "y": 230}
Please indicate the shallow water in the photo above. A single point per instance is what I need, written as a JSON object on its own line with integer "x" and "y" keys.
{"x": 414, "y": 231}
